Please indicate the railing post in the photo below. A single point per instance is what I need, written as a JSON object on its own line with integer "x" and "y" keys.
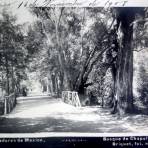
{"x": 9, "y": 103}
{"x": 73, "y": 98}
{"x": 78, "y": 100}
{"x": 68, "y": 97}
{"x": 5, "y": 105}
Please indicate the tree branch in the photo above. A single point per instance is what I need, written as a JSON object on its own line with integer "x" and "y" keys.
{"x": 88, "y": 84}
{"x": 60, "y": 16}
{"x": 139, "y": 49}
{"x": 94, "y": 62}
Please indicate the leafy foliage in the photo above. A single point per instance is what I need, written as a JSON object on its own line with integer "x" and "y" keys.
{"x": 13, "y": 53}
{"x": 143, "y": 82}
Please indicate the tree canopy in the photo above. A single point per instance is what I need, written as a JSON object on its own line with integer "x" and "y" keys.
{"x": 88, "y": 50}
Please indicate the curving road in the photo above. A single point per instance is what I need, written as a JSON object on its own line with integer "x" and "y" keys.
{"x": 46, "y": 114}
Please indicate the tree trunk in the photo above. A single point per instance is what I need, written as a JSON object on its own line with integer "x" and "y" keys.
{"x": 124, "y": 74}
{"x": 62, "y": 60}
{"x": 13, "y": 80}
{"x": 53, "y": 83}
{"x": 7, "y": 77}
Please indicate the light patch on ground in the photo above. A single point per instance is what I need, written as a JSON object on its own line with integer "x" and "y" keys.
{"x": 56, "y": 109}
{"x": 50, "y": 114}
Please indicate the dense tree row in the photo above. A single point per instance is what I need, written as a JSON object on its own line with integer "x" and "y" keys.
{"x": 15, "y": 53}
{"x": 85, "y": 42}
{"x": 88, "y": 50}
{"x": 12, "y": 54}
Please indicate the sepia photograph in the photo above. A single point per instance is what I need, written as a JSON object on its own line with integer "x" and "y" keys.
{"x": 73, "y": 70}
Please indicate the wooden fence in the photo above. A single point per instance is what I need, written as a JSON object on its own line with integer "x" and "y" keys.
{"x": 7, "y": 104}
{"x": 71, "y": 97}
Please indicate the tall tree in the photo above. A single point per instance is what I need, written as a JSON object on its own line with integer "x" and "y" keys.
{"x": 123, "y": 72}
{"x": 81, "y": 43}
{"x": 12, "y": 51}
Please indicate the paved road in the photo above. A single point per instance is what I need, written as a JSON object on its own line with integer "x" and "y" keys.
{"x": 46, "y": 114}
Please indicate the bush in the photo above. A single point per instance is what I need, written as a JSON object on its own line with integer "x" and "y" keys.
{"x": 143, "y": 85}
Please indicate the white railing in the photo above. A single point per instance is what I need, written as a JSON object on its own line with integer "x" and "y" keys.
{"x": 8, "y": 103}
{"x": 71, "y": 97}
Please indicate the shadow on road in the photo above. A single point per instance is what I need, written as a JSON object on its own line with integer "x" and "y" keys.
{"x": 47, "y": 114}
